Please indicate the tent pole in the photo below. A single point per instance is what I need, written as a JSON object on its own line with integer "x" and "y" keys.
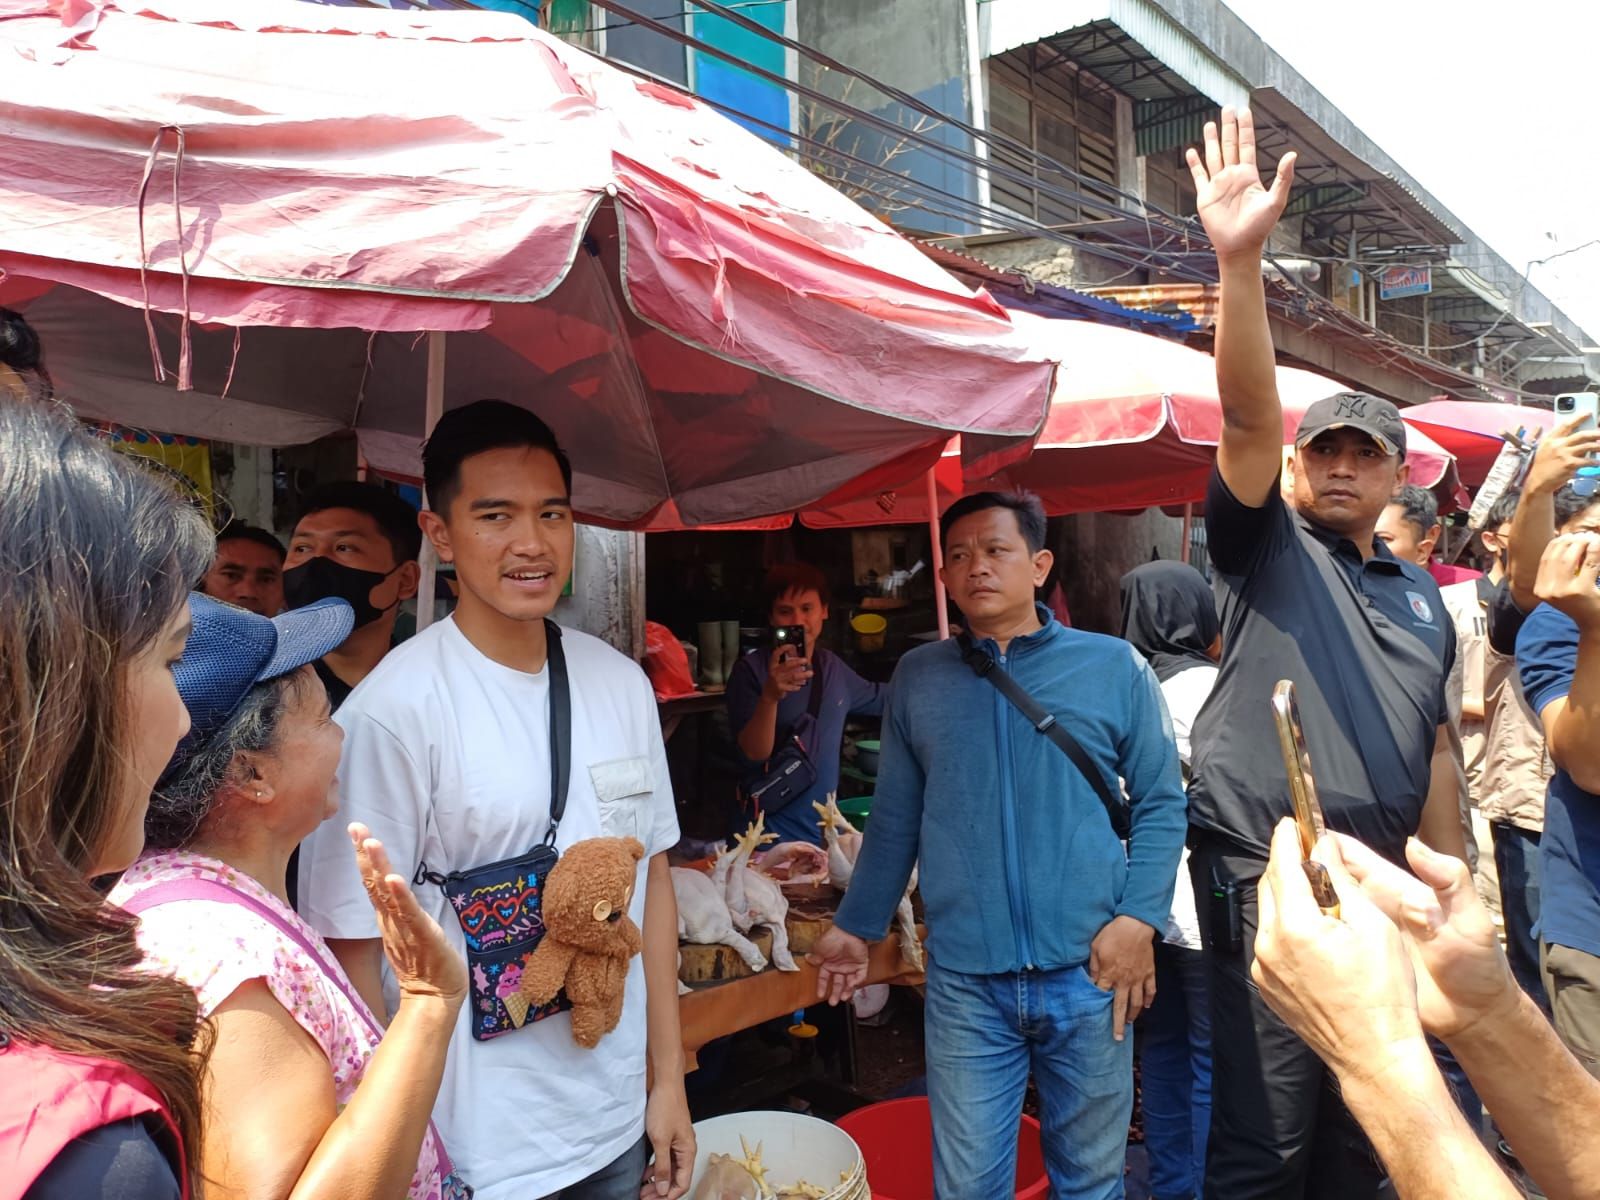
{"x": 429, "y": 561}
{"x": 1188, "y": 525}
{"x": 940, "y": 603}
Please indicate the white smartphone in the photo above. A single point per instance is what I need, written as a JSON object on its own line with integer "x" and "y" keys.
{"x": 1576, "y": 404}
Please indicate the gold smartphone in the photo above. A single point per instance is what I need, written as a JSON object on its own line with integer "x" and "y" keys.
{"x": 1303, "y": 792}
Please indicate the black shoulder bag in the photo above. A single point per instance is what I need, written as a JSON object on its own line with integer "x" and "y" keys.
{"x": 1044, "y": 722}
{"x": 790, "y": 773}
{"x": 501, "y": 905}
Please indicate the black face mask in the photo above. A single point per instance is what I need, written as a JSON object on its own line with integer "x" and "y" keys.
{"x": 321, "y": 578}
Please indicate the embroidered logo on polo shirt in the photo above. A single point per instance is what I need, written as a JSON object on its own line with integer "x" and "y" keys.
{"x": 1419, "y": 605}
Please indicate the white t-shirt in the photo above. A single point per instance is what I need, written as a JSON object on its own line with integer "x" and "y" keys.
{"x": 447, "y": 760}
{"x": 1184, "y": 693}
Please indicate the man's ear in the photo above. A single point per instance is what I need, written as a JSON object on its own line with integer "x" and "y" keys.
{"x": 1042, "y": 562}
{"x": 1402, "y": 476}
{"x": 437, "y": 532}
{"x": 410, "y": 577}
{"x": 1431, "y": 542}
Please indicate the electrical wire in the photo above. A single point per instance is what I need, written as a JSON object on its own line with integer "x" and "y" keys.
{"x": 939, "y": 202}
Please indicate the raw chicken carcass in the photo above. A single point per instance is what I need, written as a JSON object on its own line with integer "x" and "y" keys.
{"x": 758, "y": 899}
{"x": 844, "y": 847}
{"x": 842, "y": 840}
{"x": 794, "y": 864}
{"x": 703, "y": 916}
{"x": 726, "y": 1178}
{"x": 729, "y": 1178}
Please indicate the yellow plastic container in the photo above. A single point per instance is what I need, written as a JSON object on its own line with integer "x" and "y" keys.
{"x": 869, "y": 630}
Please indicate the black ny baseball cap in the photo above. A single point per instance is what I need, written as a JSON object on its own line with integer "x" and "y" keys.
{"x": 1373, "y": 416}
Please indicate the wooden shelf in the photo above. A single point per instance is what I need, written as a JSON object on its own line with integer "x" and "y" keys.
{"x": 716, "y": 1010}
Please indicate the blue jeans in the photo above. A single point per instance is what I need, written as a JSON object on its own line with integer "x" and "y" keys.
{"x": 618, "y": 1181}
{"x": 1176, "y": 1062}
{"x": 1516, "y": 858}
{"x": 984, "y": 1034}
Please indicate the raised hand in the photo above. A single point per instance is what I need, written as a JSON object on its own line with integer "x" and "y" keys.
{"x": 424, "y": 961}
{"x": 787, "y": 673}
{"x": 1237, "y": 212}
{"x": 1568, "y": 575}
{"x": 1461, "y": 973}
{"x": 1560, "y": 454}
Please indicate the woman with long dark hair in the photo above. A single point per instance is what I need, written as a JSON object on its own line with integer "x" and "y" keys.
{"x": 98, "y": 1057}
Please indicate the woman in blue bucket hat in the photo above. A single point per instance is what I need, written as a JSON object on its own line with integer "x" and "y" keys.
{"x": 306, "y": 1089}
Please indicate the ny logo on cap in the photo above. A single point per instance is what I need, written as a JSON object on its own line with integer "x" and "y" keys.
{"x": 1351, "y": 407}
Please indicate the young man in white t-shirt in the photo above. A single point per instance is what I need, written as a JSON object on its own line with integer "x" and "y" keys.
{"x": 447, "y": 760}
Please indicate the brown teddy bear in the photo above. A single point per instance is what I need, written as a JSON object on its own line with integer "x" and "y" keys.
{"x": 588, "y": 935}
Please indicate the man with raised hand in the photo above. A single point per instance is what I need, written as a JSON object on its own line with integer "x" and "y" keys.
{"x": 1307, "y": 593}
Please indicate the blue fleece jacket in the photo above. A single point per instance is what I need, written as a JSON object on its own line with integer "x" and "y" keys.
{"x": 1019, "y": 867}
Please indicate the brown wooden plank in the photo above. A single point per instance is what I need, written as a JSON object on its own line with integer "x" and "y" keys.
{"x": 717, "y": 1010}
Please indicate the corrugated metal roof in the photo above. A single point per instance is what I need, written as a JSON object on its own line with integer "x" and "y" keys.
{"x": 1153, "y": 39}
{"x": 1199, "y": 300}
{"x": 1544, "y": 369}
{"x": 1016, "y": 290}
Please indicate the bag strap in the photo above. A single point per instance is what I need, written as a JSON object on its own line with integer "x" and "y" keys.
{"x": 814, "y": 707}
{"x": 560, "y": 727}
{"x": 175, "y": 891}
{"x": 560, "y": 745}
{"x": 983, "y": 666}
{"x": 214, "y": 889}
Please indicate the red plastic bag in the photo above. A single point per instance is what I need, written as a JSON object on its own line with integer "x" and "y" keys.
{"x": 666, "y": 662}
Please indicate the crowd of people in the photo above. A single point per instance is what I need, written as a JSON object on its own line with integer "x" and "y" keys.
{"x": 223, "y": 974}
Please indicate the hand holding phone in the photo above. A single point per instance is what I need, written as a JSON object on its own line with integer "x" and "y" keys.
{"x": 789, "y": 670}
{"x": 1582, "y": 405}
{"x": 1303, "y": 792}
{"x": 784, "y": 636}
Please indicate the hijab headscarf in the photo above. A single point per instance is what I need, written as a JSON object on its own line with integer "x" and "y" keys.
{"x": 1170, "y": 616}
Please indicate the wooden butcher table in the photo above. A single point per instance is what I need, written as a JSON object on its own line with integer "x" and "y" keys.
{"x": 718, "y": 1009}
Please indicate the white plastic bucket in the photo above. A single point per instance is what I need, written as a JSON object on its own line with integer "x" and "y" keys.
{"x": 794, "y": 1148}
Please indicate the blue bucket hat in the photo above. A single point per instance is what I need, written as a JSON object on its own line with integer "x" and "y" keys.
{"x": 230, "y": 651}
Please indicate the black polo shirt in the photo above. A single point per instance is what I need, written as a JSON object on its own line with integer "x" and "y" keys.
{"x": 1369, "y": 646}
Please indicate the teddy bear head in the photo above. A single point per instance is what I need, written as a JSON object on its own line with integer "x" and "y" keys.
{"x": 587, "y": 896}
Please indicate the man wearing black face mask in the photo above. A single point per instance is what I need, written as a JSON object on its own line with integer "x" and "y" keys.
{"x": 358, "y": 543}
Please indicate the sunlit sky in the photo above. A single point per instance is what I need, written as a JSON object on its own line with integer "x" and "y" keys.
{"x": 1491, "y": 107}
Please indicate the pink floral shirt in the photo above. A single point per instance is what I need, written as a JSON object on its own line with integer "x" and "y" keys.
{"x": 215, "y": 947}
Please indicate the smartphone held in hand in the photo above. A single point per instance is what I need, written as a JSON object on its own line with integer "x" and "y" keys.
{"x": 1579, "y": 404}
{"x": 791, "y": 635}
{"x": 1303, "y": 792}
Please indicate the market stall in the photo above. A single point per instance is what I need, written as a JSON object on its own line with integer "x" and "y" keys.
{"x": 686, "y": 306}
{"x": 358, "y": 247}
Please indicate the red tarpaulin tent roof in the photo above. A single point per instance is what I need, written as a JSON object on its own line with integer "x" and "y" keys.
{"x": 295, "y": 191}
{"x": 1471, "y": 430}
{"x": 1134, "y": 423}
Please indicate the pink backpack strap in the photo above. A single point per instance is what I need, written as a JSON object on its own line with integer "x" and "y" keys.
{"x": 175, "y": 891}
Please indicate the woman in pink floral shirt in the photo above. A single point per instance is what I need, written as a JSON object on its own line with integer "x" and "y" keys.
{"x": 307, "y": 1093}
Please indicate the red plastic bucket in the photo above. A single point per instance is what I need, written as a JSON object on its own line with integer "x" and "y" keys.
{"x": 896, "y": 1140}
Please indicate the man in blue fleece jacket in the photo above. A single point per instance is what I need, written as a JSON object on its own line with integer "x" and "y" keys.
{"x": 1040, "y": 926}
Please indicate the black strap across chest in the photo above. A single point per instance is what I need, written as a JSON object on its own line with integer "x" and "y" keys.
{"x": 984, "y": 667}
{"x": 560, "y": 727}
